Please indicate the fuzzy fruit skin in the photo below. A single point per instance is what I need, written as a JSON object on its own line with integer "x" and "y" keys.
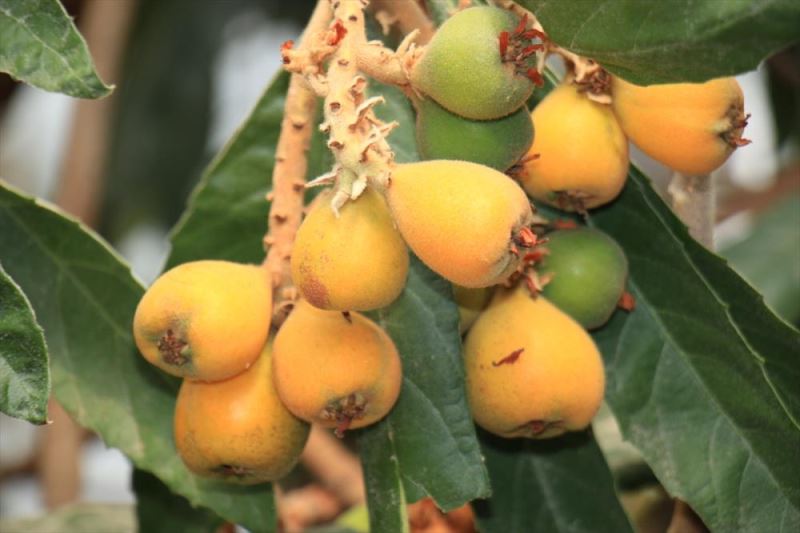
{"x": 589, "y": 272}
{"x": 221, "y": 310}
{"x": 682, "y": 125}
{"x": 581, "y": 150}
{"x": 495, "y": 143}
{"x": 459, "y": 218}
{"x": 357, "y": 261}
{"x": 462, "y": 68}
{"x": 321, "y": 358}
{"x": 238, "y": 429}
{"x": 556, "y": 383}
{"x": 471, "y": 302}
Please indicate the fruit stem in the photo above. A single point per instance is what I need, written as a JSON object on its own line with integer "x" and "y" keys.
{"x": 356, "y": 137}
{"x": 693, "y": 200}
{"x": 289, "y": 173}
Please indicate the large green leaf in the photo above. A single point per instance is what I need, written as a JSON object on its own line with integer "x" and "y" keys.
{"x": 159, "y": 510}
{"x": 227, "y": 213}
{"x": 671, "y": 40}
{"x": 703, "y": 378}
{"x": 85, "y": 297}
{"x": 770, "y": 257}
{"x": 25, "y": 375}
{"x": 40, "y": 45}
{"x": 433, "y": 436}
{"x": 556, "y": 485}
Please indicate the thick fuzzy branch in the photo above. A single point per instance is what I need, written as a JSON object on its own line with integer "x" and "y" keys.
{"x": 356, "y": 137}
{"x": 375, "y": 60}
{"x": 288, "y": 175}
{"x": 406, "y": 16}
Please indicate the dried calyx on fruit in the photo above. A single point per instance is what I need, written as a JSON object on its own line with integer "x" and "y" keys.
{"x": 690, "y": 127}
{"x": 205, "y": 320}
{"x": 579, "y": 158}
{"x": 480, "y": 64}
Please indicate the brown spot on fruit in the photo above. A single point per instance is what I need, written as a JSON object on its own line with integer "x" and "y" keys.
{"x": 510, "y": 359}
{"x": 314, "y": 291}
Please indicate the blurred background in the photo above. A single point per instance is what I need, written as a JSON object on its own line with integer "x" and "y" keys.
{"x": 187, "y": 73}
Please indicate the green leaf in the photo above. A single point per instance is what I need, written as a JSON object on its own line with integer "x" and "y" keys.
{"x": 702, "y": 376}
{"x": 386, "y": 499}
{"x": 40, "y": 45}
{"x": 25, "y": 376}
{"x": 551, "y": 485}
{"x": 158, "y": 509}
{"x": 432, "y": 431}
{"x": 85, "y": 297}
{"x": 671, "y": 40}
{"x": 770, "y": 257}
{"x": 227, "y": 213}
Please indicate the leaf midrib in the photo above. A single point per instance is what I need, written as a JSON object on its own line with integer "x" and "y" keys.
{"x": 62, "y": 58}
{"x": 760, "y": 360}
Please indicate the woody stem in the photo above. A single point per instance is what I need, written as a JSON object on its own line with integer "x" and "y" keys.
{"x": 289, "y": 173}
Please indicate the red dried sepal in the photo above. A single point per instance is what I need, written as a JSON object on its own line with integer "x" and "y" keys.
{"x": 503, "y": 43}
{"x": 339, "y": 31}
{"x": 535, "y": 77}
{"x": 285, "y": 47}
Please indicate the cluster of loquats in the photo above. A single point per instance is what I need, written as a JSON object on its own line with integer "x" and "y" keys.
{"x": 208, "y": 322}
{"x": 532, "y": 370}
{"x": 528, "y": 289}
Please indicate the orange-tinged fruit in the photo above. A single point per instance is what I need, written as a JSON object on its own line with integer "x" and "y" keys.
{"x": 464, "y": 220}
{"x": 690, "y": 127}
{"x": 356, "y": 261}
{"x": 579, "y": 157}
{"x": 334, "y": 369}
{"x": 238, "y": 430}
{"x": 470, "y": 304}
{"x": 205, "y": 320}
{"x": 531, "y": 370}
